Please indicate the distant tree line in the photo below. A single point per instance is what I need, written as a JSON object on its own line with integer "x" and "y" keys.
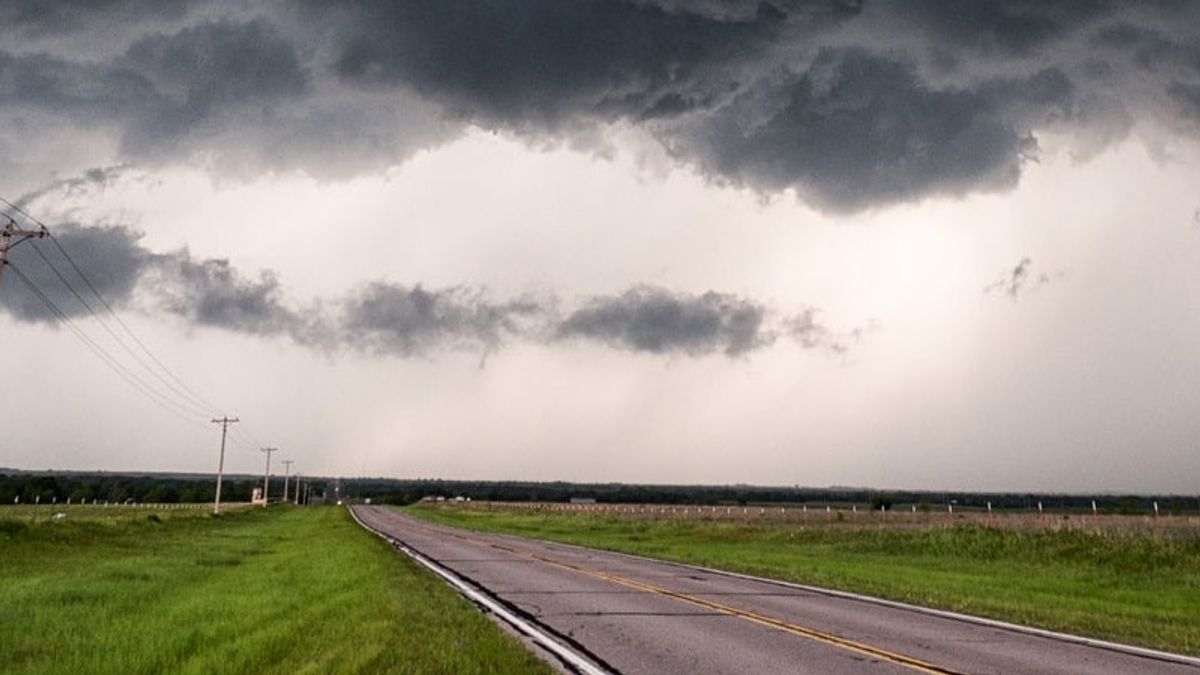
{"x": 407, "y": 491}
{"x": 118, "y": 488}
{"x": 171, "y": 488}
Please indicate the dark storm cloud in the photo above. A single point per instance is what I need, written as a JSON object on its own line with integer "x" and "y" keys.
{"x": 856, "y": 129}
{"x": 387, "y": 318}
{"x": 208, "y": 292}
{"x": 1150, "y": 49}
{"x": 997, "y": 27}
{"x": 212, "y": 71}
{"x": 165, "y": 93}
{"x": 393, "y": 319}
{"x": 748, "y": 93}
{"x": 42, "y": 17}
{"x": 213, "y": 293}
{"x": 110, "y": 257}
{"x": 1187, "y": 97}
{"x": 656, "y": 320}
{"x": 852, "y": 105}
{"x": 538, "y": 62}
{"x": 84, "y": 92}
{"x": 237, "y": 94}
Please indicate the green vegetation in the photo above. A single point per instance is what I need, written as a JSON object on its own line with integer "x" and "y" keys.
{"x": 104, "y": 515}
{"x": 116, "y": 488}
{"x": 1134, "y": 588}
{"x": 287, "y": 590}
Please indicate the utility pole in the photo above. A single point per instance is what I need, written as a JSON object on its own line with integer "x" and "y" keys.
{"x": 224, "y": 422}
{"x": 11, "y": 236}
{"x": 297, "y": 489}
{"x": 267, "y": 474}
{"x": 287, "y": 469}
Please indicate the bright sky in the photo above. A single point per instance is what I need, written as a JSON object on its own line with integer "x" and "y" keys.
{"x": 895, "y": 247}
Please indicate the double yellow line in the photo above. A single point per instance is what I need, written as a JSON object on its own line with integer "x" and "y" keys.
{"x": 778, "y": 624}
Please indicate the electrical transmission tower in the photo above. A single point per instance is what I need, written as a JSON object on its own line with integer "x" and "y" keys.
{"x": 224, "y": 422}
{"x": 267, "y": 474}
{"x": 11, "y": 236}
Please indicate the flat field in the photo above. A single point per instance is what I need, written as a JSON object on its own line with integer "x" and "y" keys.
{"x": 115, "y": 515}
{"x": 1130, "y": 579}
{"x": 295, "y": 590}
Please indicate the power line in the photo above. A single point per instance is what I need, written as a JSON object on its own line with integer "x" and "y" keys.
{"x": 171, "y": 381}
{"x": 181, "y": 403}
{"x": 175, "y": 390}
{"x": 183, "y": 390}
{"x": 98, "y": 350}
{"x": 176, "y": 397}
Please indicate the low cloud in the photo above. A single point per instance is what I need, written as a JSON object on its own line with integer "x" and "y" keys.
{"x": 387, "y": 318}
{"x": 813, "y": 334}
{"x": 659, "y": 321}
{"x": 92, "y": 179}
{"x": 213, "y": 293}
{"x": 114, "y": 263}
{"x": 1022, "y": 279}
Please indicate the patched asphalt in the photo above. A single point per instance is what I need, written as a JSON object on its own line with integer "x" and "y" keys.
{"x": 642, "y": 616}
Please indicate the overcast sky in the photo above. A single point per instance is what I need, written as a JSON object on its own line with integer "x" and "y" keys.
{"x": 919, "y": 244}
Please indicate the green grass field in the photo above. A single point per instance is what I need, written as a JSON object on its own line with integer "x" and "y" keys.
{"x": 290, "y": 590}
{"x": 1139, "y": 589}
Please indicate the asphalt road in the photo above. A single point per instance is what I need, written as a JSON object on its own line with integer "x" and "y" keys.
{"x": 640, "y": 616}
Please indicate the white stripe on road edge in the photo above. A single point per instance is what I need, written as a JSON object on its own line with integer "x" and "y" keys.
{"x": 567, "y": 654}
{"x": 1132, "y": 650}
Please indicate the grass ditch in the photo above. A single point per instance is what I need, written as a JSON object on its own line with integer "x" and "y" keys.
{"x": 288, "y": 590}
{"x": 1139, "y": 589}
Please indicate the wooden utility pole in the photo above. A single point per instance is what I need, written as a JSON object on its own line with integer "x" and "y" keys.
{"x": 267, "y": 475}
{"x": 287, "y": 470}
{"x": 224, "y": 422}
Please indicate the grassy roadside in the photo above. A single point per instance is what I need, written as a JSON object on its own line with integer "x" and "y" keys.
{"x": 289, "y": 590}
{"x": 1132, "y": 588}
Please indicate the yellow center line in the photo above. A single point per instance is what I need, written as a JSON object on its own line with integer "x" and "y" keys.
{"x": 811, "y": 633}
